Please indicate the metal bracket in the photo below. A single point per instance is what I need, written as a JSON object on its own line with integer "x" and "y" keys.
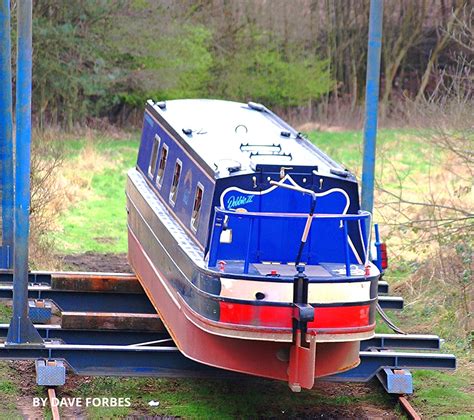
{"x": 396, "y": 381}
{"x": 50, "y": 372}
{"x": 303, "y": 312}
{"x": 40, "y": 311}
{"x": 302, "y": 354}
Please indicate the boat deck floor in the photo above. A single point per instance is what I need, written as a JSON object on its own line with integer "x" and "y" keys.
{"x": 323, "y": 270}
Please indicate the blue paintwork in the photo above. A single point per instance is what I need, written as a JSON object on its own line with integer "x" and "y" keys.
{"x": 258, "y": 238}
{"x": 21, "y": 329}
{"x": 378, "y": 260}
{"x": 6, "y": 137}
{"x": 191, "y": 176}
{"x": 371, "y": 103}
{"x": 278, "y": 240}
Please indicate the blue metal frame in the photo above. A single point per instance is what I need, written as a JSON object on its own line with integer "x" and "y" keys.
{"x": 53, "y": 332}
{"x": 6, "y": 136}
{"x": 371, "y": 103}
{"x": 87, "y": 301}
{"x": 21, "y": 329}
{"x": 161, "y": 361}
{"x": 114, "y": 302}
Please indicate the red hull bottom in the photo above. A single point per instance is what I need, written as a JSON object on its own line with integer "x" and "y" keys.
{"x": 267, "y": 359}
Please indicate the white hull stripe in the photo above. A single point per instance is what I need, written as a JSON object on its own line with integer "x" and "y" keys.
{"x": 336, "y": 292}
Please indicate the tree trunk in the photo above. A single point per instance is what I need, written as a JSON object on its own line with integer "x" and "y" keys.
{"x": 440, "y": 45}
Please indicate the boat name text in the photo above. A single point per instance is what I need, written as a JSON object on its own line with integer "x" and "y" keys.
{"x": 239, "y": 200}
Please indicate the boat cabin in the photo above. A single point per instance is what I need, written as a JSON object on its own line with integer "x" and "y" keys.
{"x": 218, "y": 167}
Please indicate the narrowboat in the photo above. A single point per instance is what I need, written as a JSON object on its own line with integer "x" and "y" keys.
{"x": 250, "y": 242}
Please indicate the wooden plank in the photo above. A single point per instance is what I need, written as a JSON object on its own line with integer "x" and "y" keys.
{"x": 409, "y": 410}
{"x": 52, "y": 402}
{"x": 96, "y": 282}
{"x": 111, "y": 321}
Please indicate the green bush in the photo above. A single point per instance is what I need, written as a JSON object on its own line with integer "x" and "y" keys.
{"x": 103, "y": 58}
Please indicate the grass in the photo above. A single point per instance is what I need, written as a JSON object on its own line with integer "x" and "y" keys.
{"x": 5, "y": 313}
{"x": 193, "y": 398}
{"x": 97, "y": 223}
{"x": 401, "y": 150}
{"x": 444, "y": 395}
{"x": 8, "y": 391}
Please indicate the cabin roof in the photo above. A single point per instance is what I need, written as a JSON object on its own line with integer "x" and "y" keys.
{"x": 233, "y": 138}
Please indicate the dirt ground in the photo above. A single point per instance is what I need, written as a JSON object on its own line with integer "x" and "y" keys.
{"x": 90, "y": 261}
{"x": 383, "y": 408}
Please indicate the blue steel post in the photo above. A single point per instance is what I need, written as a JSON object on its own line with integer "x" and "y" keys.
{"x": 21, "y": 330}
{"x": 6, "y": 138}
{"x": 371, "y": 102}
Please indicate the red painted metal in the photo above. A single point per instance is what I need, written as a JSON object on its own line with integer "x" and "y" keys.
{"x": 384, "y": 254}
{"x": 302, "y": 360}
{"x": 251, "y": 356}
{"x": 281, "y": 316}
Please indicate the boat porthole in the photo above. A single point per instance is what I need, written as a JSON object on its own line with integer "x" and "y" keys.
{"x": 259, "y": 296}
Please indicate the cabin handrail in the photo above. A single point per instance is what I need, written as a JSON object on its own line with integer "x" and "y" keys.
{"x": 221, "y": 217}
{"x": 363, "y": 214}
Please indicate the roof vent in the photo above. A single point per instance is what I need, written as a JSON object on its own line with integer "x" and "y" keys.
{"x": 255, "y": 106}
{"x": 161, "y": 104}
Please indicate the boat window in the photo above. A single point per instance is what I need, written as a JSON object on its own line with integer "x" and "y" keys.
{"x": 154, "y": 155}
{"x": 162, "y": 165}
{"x": 174, "y": 185}
{"x": 197, "y": 207}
